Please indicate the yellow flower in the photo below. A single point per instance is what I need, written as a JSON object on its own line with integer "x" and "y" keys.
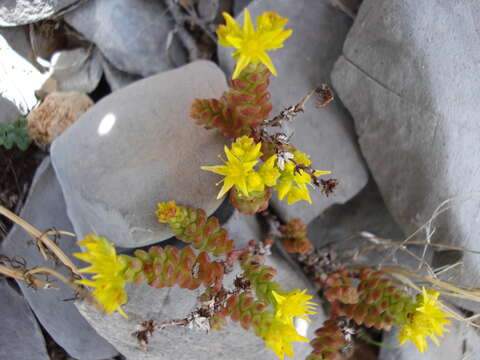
{"x": 239, "y": 168}
{"x": 108, "y": 281}
{"x": 269, "y": 172}
{"x": 293, "y": 184}
{"x": 166, "y": 210}
{"x": 279, "y": 336}
{"x": 245, "y": 150}
{"x": 252, "y": 45}
{"x": 293, "y": 304}
{"x": 428, "y": 320}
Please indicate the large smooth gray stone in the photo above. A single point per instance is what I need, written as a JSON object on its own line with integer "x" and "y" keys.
{"x": 460, "y": 343}
{"x": 410, "y": 76}
{"x": 113, "y": 177}
{"x": 132, "y": 34}
{"x": 349, "y": 232}
{"x": 45, "y": 209}
{"x": 305, "y": 62}
{"x": 116, "y": 79}
{"x": 231, "y": 343}
{"x": 77, "y": 70}
{"x": 22, "y": 338}
{"x": 19, "y": 12}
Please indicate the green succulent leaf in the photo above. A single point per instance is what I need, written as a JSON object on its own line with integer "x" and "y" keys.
{"x": 15, "y": 133}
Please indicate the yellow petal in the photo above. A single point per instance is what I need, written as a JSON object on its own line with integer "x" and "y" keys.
{"x": 283, "y": 188}
{"x": 231, "y": 29}
{"x": 247, "y": 24}
{"x": 242, "y": 185}
{"x": 265, "y": 60}
{"x": 242, "y": 63}
{"x": 321, "y": 172}
{"x": 227, "y": 185}
{"x": 217, "y": 169}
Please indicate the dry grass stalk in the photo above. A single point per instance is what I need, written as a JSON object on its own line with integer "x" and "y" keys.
{"x": 20, "y": 275}
{"x": 43, "y": 238}
{"x": 44, "y": 244}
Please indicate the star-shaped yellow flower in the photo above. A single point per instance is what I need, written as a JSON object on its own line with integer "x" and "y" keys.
{"x": 239, "y": 169}
{"x": 428, "y": 320}
{"x": 279, "y": 337}
{"x": 108, "y": 281}
{"x": 293, "y": 304}
{"x": 252, "y": 44}
{"x": 293, "y": 184}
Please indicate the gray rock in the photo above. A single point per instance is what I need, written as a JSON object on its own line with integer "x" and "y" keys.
{"x": 346, "y": 228}
{"x": 243, "y": 228}
{"x": 8, "y": 111}
{"x": 136, "y": 147}
{"x": 77, "y": 70}
{"x": 461, "y": 342}
{"x": 22, "y": 338}
{"x": 19, "y": 12}
{"x": 45, "y": 209}
{"x": 116, "y": 79}
{"x": 349, "y": 7}
{"x": 131, "y": 34}
{"x": 305, "y": 62}
{"x": 208, "y": 9}
{"x": 239, "y": 5}
{"x": 414, "y": 96}
{"x": 145, "y": 303}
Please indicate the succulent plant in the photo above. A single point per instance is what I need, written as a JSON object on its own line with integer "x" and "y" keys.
{"x": 380, "y": 304}
{"x": 328, "y": 342}
{"x": 295, "y": 238}
{"x": 243, "y": 107}
{"x": 193, "y": 226}
{"x": 256, "y": 201}
{"x": 167, "y": 267}
{"x": 15, "y": 133}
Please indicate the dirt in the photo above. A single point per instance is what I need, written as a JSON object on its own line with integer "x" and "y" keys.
{"x": 17, "y": 171}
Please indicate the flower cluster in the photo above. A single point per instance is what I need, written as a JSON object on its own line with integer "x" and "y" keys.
{"x": 293, "y": 182}
{"x": 369, "y": 298}
{"x": 252, "y": 44}
{"x": 280, "y": 331}
{"x": 428, "y": 320}
{"x": 109, "y": 280}
{"x": 239, "y": 169}
{"x": 242, "y": 112}
{"x": 239, "y": 172}
{"x": 294, "y": 237}
{"x": 279, "y": 337}
{"x": 295, "y": 303}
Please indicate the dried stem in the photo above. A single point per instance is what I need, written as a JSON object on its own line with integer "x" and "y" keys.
{"x": 440, "y": 246}
{"x": 181, "y": 322}
{"x": 443, "y": 287}
{"x": 43, "y": 239}
{"x": 187, "y": 39}
{"x": 291, "y": 112}
{"x": 21, "y": 275}
{"x": 80, "y": 290}
{"x": 403, "y": 276}
{"x": 202, "y": 23}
